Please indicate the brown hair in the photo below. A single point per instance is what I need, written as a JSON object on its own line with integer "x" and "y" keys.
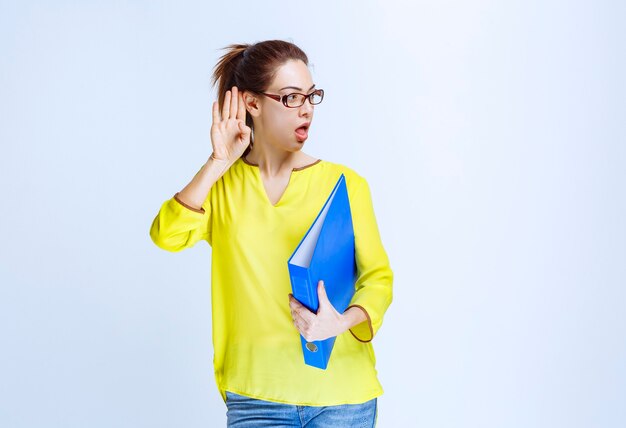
{"x": 252, "y": 68}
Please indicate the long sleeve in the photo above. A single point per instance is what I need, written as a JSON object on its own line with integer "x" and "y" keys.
{"x": 373, "y": 288}
{"x": 178, "y": 226}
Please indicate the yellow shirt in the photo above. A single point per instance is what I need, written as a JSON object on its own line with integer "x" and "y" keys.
{"x": 257, "y": 349}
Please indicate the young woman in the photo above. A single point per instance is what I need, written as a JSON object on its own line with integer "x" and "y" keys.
{"x": 252, "y": 201}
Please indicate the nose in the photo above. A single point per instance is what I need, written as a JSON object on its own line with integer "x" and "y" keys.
{"x": 307, "y": 107}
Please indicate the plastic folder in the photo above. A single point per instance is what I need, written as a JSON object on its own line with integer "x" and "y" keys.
{"x": 326, "y": 252}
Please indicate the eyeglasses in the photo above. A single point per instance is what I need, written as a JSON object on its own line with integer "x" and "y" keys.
{"x": 296, "y": 100}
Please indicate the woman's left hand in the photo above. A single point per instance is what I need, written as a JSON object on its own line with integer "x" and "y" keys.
{"x": 326, "y": 323}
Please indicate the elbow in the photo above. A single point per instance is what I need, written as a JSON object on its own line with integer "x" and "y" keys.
{"x": 163, "y": 242}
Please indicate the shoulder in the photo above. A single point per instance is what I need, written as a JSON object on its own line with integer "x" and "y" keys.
{"x": 354, "y": 179}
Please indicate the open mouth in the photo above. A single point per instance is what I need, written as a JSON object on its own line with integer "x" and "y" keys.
{"x": 303, "y": 131}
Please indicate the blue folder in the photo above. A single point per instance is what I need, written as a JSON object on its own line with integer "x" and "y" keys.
{"x": 326, "y": 252}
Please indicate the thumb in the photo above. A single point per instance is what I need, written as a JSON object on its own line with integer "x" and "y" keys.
{"x": 243, "y": 128}
{"x": 321, "y": 293}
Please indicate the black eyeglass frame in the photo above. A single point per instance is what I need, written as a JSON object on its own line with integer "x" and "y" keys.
{"x": 283, "y": 98}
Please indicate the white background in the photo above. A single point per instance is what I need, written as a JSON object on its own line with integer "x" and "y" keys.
{"x": 492, "y": 136}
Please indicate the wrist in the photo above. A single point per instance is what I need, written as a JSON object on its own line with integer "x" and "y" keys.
{"x": 217, "y": 166}
{"x": 352, "y": 316}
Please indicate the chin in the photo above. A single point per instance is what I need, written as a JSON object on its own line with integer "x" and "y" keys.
{"x": 296, "y": 147}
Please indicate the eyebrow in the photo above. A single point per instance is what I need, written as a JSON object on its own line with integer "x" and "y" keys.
{"x": 295, "y": 87}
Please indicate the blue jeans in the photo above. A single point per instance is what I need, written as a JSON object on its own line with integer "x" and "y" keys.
{"x": 244, "y": 412}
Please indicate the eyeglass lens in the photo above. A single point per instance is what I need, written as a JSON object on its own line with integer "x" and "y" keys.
{"x": 296, "y": 100}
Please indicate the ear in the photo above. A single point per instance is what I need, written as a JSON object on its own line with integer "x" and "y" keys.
{"x": 252, "y": 104}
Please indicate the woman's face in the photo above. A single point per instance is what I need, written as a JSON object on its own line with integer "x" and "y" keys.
{"x": 276, "y": 124}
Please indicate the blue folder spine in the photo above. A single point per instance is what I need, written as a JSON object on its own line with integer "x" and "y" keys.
{"x": 316, "y": 353}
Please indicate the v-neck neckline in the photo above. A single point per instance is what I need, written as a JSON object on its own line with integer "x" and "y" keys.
{"x": 262, "y": 184}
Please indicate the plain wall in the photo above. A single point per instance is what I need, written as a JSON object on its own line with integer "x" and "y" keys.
{"x": 492, "y": 136}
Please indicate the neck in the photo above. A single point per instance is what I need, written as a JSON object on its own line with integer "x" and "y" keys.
{"x": 272, "y": 161}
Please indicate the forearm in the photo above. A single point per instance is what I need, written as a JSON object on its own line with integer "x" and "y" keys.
{"x": 353, "y": 316}
{"x": 195, "y": 193}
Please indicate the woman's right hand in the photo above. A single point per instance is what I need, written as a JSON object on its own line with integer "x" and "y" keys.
{"x": 230, "y": 136}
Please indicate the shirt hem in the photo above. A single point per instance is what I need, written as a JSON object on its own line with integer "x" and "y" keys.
{"x": 370, "y": 396}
